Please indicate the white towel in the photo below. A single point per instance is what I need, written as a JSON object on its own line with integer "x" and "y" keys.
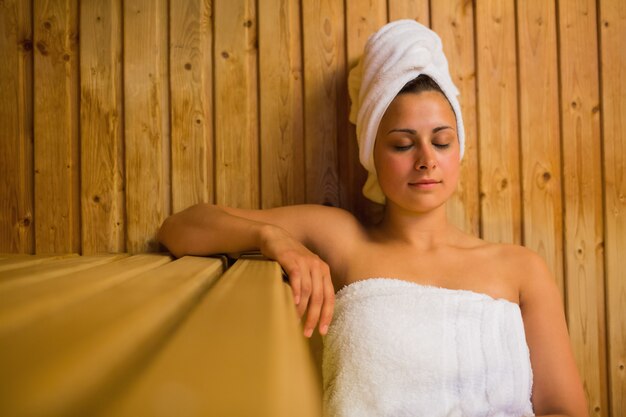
{"x": 397, "y": 348}
{"x": 398, "y": 53}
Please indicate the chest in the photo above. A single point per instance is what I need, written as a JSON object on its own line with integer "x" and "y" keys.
{"x": 465, "y": 269}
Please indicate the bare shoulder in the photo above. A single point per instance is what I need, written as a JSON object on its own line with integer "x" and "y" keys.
{"x": 506, "y": 270}
{"x": 528, "y": 269}
{"x": 514, "y": 262}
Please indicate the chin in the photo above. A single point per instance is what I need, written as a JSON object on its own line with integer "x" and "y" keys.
{"x": 423, "y": 206}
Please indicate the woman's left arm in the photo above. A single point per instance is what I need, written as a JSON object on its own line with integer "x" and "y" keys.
{"x": 557, "y": 387}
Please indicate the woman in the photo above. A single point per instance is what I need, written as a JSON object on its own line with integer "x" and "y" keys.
{"x": 429, "y": 320}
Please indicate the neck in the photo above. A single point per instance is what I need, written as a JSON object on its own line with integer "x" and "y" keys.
{"x": 424, "y": 231}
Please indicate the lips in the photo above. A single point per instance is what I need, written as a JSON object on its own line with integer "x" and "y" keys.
{"x": 424, "y": 182}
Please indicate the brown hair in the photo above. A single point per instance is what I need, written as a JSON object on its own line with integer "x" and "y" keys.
{"x": 420, "y": 84}
{"x": 423, "y": 83}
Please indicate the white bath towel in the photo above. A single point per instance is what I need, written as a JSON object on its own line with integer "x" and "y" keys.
{"x": 399, "y": 52}
{"x": 397, "y": 348}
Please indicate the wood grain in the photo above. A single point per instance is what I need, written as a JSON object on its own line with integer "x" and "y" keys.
{"x": 454, "y": 23}
{"x": 56, "y": 152}
{"x": 102, "y": 127}
{"x": 582, "y": 182}
{"x": 16, "y": 134}
{"x": 191, "y": 86}
{"x": 256, "y": 362}
{"x": 24, "y": 305}
{"x": 37, "y": 273}
{"x": 74, "y": 360}
{"x": 147, "y": 136}
{"x": 11, "y": 262}
{"x": 418, "y": 10}
{"x": 540, "y": 137}
{"x": 498, "y": 128}
{"x": 325, "y": 95}
{"x": 613, "y": 71}
{"x": 280, "y": 104}
{"x": 236, "y": 107}
{"x": 363, "y": 18}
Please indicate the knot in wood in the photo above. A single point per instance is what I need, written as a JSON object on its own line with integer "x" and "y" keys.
{"x": 42, "y": 47}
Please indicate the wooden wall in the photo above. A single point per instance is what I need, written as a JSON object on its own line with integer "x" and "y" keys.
{"x": 115, "y": 114}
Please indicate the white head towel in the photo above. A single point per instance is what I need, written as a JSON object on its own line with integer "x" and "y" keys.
{"x": 398, "y": 53}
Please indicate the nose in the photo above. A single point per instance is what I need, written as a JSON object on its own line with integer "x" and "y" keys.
{"x": 425, "y": 159}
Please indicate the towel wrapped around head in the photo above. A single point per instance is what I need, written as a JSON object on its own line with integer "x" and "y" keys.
{"x": 398, "y": 53}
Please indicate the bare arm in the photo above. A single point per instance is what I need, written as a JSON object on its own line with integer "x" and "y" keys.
{"x": 204, "y": 229}
{"x": 557, "y": 388}
{"x": 293, "y": 236}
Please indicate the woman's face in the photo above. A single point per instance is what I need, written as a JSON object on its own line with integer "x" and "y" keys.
{"x": 416, "y": 153}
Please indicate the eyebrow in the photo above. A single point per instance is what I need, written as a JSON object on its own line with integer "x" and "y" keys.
{"x": 413, "y": 132}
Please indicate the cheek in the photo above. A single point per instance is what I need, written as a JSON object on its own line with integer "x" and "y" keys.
{"x": 390, "y": 166}
{"x": 452, "y": 168}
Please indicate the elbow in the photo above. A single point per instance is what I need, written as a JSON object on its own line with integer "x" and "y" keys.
{"x": 167, "y": 236}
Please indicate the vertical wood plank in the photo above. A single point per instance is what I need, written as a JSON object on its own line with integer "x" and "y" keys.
{"x": 498, "y": 142}
{"x": 16, "y": 134}
{"x": 102, "y": 119}
{"x": 146, "y": 124}
{"x": 582, "y": 176}
{"x": 613, "y": 71}
{"x": 191, "y": 76}
{"x": 454, "y": 22}
{"x": 281, "y": 113}
{"x": 325, "y": 89}
{"x": 236, "y": 108}
{"x": 417, "y": 10}
{"x": 56, "y": 152}
{"x": 363, "y": 18}
{"x": 540, "y": 133}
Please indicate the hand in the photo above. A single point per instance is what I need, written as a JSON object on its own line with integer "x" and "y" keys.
{"x": 309, "y": 277}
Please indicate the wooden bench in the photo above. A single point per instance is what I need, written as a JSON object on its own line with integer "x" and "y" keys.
{"x": 147, "y": 335}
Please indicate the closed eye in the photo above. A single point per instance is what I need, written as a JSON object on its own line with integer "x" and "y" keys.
{"x": 441, "y": 145}
{"x": 401, "y": 148}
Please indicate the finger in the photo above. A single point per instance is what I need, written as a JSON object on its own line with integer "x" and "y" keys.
{"x": 305, "y": 291}
{"x": 315, "y": 302}
{"x": 295, "y": 280}
{"x": 328, "y": 307}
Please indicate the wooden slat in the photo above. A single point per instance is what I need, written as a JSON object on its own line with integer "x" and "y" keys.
{"x": 41, "y": 272}
{"x": 325, "y": 89}
{"x": 540, "y": 137}
{"x": 613, "y": 70}
{"x": 363, "y": 18}
{"x": 102, "y": 116}
{"x": 70, "y": 362}
{"x": 280, "y": 104}
{"x": 57, "y": 193}
{"x": 582, "y": 182}
{"x": 236, "y": 119}
{"x": 240, "y": 353}
{"x": 498, "y": 142}
{"x": 146, "y": 122}
{"x": 23, "y": 261}
{"x": 454, "y": 22}
{"x": 417, "y": 10}
{"x": 191, "y": 84}
{"x": 26, "y": 304}
{"x": 16, "y": 134}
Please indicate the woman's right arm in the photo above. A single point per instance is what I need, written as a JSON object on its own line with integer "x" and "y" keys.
{"x": 283, "y": 234}
{"x": 204, "y": 229}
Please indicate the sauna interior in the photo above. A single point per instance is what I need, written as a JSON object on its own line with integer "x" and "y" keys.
{"x": 115, "y": 114}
